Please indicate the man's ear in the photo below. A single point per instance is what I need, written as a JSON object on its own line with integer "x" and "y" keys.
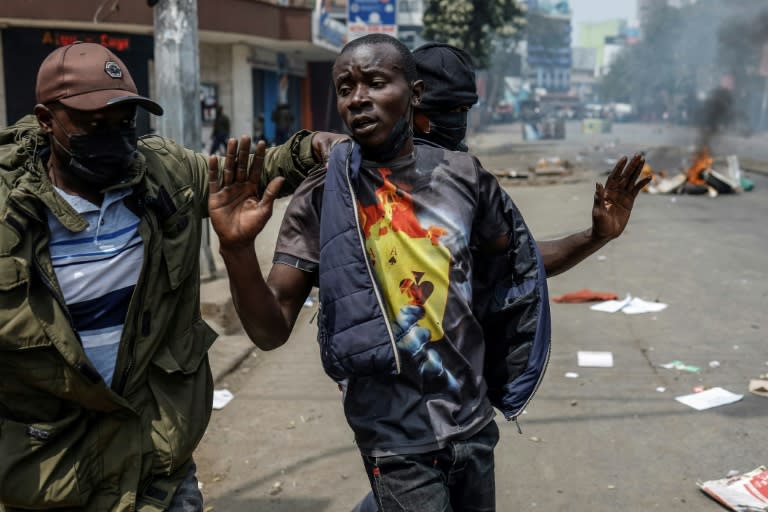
{"x": 417, "y": 91}
{"x": 44, "y": 118}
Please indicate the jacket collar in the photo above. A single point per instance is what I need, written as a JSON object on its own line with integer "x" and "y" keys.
{"x": 34, "y": 190}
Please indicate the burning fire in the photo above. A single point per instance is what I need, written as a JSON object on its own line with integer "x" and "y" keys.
{"x": 701, "y": 163}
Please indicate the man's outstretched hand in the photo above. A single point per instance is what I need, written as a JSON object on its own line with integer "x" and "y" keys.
{"x": 323, "y": 142}
{"x": 238, "y": 212}
{"x": 614, "y": 200}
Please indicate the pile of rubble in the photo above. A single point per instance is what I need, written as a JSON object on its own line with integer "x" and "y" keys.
{"x": 703, "y": 176}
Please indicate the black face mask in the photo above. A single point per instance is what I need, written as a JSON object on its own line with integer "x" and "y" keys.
{"x": 447, "y": 129}
{"x": 400, "y": 134}
{"x": 102, "y": 159}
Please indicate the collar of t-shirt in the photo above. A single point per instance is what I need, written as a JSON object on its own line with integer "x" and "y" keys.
{"x": 402, "y": 161}
{"x": 83, "y": 206}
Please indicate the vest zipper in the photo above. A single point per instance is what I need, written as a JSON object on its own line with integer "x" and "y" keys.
{"x": 85, "y": 370}
{"x": 536, "y": 388}
{"x": 370, "y": 272}
{"x": 119, "y": 385}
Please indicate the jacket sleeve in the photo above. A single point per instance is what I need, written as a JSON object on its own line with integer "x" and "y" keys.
{"x": 292, "y": 160}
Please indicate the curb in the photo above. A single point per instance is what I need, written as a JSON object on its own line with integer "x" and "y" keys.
{"x": 230, "y": 361}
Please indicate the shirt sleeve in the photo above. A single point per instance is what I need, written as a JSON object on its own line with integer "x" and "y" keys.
{"x": 496, "y": 214}
{"x": 298, "y": 242}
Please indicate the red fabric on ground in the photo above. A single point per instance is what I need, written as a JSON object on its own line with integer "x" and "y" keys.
{"x": 585, "y": 295}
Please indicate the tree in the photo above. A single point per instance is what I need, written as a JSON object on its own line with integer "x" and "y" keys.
{"x": 652, "y": 73}
{"x": 473, "y": 24}
{"x": 684, "y": 52}
{"x": 487, "y": 29}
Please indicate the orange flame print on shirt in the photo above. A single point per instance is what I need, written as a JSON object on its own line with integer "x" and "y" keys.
{"x": 412, "y": 267}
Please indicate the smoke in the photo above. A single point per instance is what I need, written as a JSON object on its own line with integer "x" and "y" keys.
{"x": 715, "y": 113}
{"x": 741, "y": 36}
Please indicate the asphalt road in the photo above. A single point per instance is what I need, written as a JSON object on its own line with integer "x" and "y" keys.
{"x": 610, "y": 439}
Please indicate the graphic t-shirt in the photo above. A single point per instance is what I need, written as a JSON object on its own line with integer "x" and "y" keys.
{"x": 419, "y": 217}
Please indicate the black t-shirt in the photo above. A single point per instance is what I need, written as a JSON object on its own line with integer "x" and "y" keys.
{"x": 420, "y": 215}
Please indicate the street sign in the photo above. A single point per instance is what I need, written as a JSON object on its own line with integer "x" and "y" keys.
{"x": 327, "y": 31}
{"x": 371, "y": 17}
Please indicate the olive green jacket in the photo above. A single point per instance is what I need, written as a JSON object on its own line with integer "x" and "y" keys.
{"x": 67, "y": 440}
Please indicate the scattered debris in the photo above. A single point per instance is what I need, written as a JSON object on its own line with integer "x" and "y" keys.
{"x": 661, "y": 389}
{"x": 585, "y": 295}
{"x": 552, "y": 166}
{"x": 591, "y": 359}
{"x": 277, "y": 488}
{"x": 630, "y": 306}
{"x": 679, "y": 365}
{"x": 713, "y": 397}
{"x": 221, "y": 397}
{"x": 741, "y": 492}
{"x": 571, "y": 375}
{"x": 759, "y": 387}
{"x": 703, "y": 176}
{"x": 511, "y": 173}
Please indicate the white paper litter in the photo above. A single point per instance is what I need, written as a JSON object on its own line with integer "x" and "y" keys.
{"x": 747, "y": 492}
{"x": 221, "y": 397}
{"x": 611, "y": 306}
{"x": 587, "y": 358}
{"x": 713, "y": 397}
{"x": 630, "y": 306}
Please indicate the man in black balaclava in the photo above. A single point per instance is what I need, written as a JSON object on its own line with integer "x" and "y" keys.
{"x": 441, "y": 120}
{"x": 449, "y": 93}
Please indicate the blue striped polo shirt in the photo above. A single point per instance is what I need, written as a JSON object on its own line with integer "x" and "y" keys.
{"x": 97, "y": 270}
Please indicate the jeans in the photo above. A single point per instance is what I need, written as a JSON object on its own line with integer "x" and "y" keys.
{"x": 188, "y": 497}
{"x": 457, "y": 478}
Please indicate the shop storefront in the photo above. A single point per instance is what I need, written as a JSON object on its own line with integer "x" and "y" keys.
{"x": 20, "y": 67}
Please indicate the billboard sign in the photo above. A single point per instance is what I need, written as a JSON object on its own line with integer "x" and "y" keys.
{"x": 371, "y": 17}
{"x": 328, "y": 31}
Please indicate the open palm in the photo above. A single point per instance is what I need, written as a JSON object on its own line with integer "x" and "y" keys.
{"x": 237, "y": 210}
{"x": 614, "y": 200}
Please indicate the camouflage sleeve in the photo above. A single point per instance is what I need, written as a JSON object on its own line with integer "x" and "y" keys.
{"x": 292, "y": 160}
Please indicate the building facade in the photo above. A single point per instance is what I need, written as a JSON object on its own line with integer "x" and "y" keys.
{"x": 253, "y": 55}
{"x": 548, "y": 34}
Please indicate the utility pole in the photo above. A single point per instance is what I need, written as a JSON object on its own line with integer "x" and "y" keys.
{"x": 177, "y": 82}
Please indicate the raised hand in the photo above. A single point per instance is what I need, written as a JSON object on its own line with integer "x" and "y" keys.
{"x": 614, "y": 200}
{"x": 238, "y": 212}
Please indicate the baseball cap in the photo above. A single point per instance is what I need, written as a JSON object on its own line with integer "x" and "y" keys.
{"x": 448, "y": 75}
{"x": 87, "y": 76}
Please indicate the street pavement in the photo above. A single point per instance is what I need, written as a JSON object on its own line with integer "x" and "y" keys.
{"x": 610, "y": 439}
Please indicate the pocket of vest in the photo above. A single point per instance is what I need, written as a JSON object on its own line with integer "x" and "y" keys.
{"x": 47, "y": 465}
{"x": 181, "y": 238}
{"x": 182, "y": 387}
{"x": 19, "y": 327}
{"x": 184, "y": 353}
